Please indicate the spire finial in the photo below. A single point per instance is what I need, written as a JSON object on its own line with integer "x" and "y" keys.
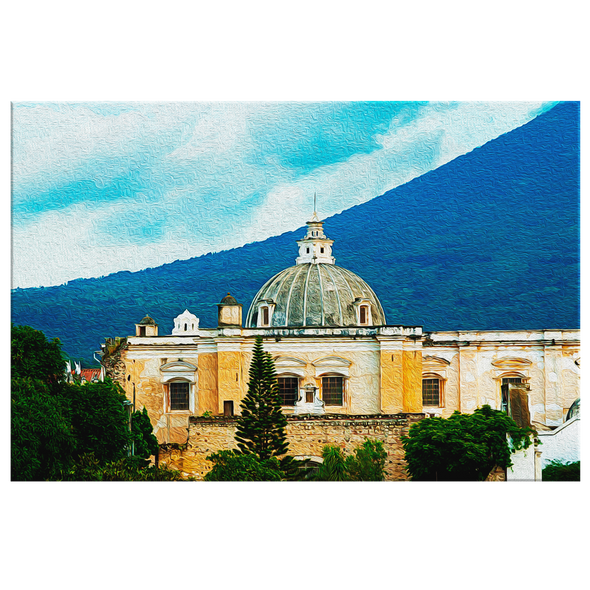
{"x": 314, "y": 203}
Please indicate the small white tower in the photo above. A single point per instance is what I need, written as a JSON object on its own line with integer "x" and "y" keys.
{"x": 315, "y": 247}
{"x": 186, "y": 324}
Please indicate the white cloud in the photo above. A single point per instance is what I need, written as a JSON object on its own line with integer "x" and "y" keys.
{"x": 204, "y": 192}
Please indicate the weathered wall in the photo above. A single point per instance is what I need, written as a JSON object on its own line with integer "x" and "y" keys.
{"x": 307, "y": 436}
{"x": 561, "y": 444}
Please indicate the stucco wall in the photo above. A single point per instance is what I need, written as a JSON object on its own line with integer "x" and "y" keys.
{"x": 561, "y": 444}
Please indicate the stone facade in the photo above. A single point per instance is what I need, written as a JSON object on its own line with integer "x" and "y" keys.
{"x": 382, "y": 369}
{"x": 307, "y": 436}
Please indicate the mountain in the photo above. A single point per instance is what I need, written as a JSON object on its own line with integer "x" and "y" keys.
{"x": 488, "y": 241}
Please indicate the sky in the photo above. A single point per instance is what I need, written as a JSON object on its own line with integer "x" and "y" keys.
{"x": 103, "y": 187}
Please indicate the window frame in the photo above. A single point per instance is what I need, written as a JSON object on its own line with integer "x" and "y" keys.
{"x": 342, "y": 393}
{"x": 441, "y": 389}
{"x": 297, "y": 379}
{"x": 176, "y": 382}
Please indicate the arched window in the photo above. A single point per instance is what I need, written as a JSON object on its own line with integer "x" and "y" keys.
{"x": 265, "y": 316}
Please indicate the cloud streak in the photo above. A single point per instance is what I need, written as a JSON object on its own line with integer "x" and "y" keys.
{"x": 99, "y": 188}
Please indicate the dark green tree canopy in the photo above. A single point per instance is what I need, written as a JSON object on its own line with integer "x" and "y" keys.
{"x": 463, "y": 447}
{"x": 235, "y": 466}
{"x": 34, "y": 357}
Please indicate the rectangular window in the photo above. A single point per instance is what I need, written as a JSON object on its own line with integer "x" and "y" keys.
{"x": 179, "y": 395}
{"x": 228, "y": 408}
{"x": 430, "y": 392}
{"x": 288, "y": 390}
{"x": 332, "y": 390}
{"x": 265, "y": 316}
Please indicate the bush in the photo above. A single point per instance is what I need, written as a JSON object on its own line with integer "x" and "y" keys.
{"x": 88, "y": 468}
{"x": 236, "y": 466}
{"x": 558, "y": 471}
{"x": 366, "y": 464}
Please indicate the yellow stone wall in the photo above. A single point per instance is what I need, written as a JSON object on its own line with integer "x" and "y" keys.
{"x": 230, "y": 378}
{"x": 208, "y": 399}
{"x": 401, "y": 380}
{"x": 392, "y": 381}
{"x": 412, "y": 374}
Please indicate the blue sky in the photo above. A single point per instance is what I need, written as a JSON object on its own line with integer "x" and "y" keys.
{"x": 103, "y": 187}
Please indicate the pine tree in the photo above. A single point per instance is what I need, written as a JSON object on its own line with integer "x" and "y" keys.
{"x": 261, "y": 426}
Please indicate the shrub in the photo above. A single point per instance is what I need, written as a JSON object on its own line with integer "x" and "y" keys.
{"x": 558, "y": 471}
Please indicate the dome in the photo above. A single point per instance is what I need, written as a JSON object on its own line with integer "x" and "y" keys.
{"x": 228, "y": 300}
{"x": 147, "y": 321}
{"x": 316, "y": 294}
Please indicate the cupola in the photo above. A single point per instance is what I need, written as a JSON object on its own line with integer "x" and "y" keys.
{"x": 147, "y": 327}
{"x": 186, "y": 324}
{"x": 229, "y": 314}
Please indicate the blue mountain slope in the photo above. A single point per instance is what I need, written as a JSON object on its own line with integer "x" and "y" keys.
{"x": 487, "y": 241}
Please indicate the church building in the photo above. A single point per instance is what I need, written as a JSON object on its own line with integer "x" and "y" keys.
{"x": 338, "y": 361}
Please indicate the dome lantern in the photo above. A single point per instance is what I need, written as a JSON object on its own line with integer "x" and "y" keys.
{"x": 315, "y": 247}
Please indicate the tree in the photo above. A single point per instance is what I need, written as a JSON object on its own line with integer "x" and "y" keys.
{"x": 463, "y": 447}
{"x": 145, "y": 444}
{"x": 34, "y": 357}
{"x": 42, "y": 443}
{"x": 99, "y": 419}
{"x": 261, "y": 425}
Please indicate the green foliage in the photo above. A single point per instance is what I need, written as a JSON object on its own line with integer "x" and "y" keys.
{"x": 145, "y": 444}
{"x": 463, "y": 447}
{"x": 42, "y": 441}
{"x": 366, "y": 464}
{"x": 99, "y": 419}
{"x": 558, "y": 471}
{"x": 88, "y": 468}
{"x": 53, "y": 423}
{"x": 261, "y": 425}
{"x": 334, "y": 466}
{"x": 207, "y": 414}
{"x": 34, "y": 357}
{"x": 236, "y": 466}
